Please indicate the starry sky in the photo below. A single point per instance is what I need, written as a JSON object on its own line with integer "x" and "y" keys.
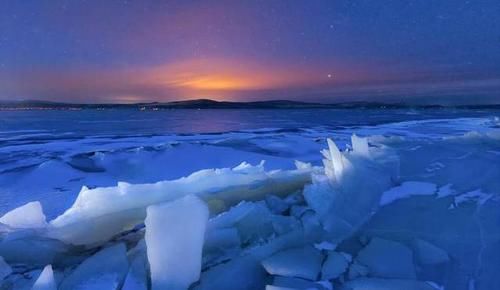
{"x": 421, "y": 51}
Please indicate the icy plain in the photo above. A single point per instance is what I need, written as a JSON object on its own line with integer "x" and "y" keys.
{"x": 409, "y": 201}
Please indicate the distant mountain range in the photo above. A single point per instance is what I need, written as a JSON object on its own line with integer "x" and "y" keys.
{"x": 212, "y": 104}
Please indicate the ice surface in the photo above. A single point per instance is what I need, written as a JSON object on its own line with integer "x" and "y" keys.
{"x": 46, "y": 280}
{"x": 387, "y": 259}
{"x": 5, "y": 269}
{"x": 174, "y": 237}
{"x": 406, "y": 190}
{"x": 29, "y": 215}
{"x": 302, "y": 262}
{"x": 104, "y": 270}
{"x": 435, "y": 183}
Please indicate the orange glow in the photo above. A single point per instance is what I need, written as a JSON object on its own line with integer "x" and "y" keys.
{"x": 216, "y": 78}
{"x": 227, "y": 75}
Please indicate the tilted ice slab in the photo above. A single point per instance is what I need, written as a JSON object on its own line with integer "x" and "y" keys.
{"x": 406, "y": 190}
{"x": 29, "y": 215}
{"x": 304, "y": 262}
{"x": 46, "y": 280}
{"x": 105, "y": 270}
{"x": 349, "y": 191}
{"x": 99, "y": 214}
{"x": 174, "y": 238}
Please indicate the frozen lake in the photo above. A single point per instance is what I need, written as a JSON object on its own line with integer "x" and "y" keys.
{"x": 50, "y": 155}
{"x": 415, "y": 205}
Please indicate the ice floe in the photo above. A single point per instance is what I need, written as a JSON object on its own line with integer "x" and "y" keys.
{"x": 174, "y": 237}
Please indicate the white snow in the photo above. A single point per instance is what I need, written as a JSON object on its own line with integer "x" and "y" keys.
{"x": 29, "y": 215}
{"x": 46, "y": 280}
{"x": 174, "y": 237}
{"x": 406, "y": 190}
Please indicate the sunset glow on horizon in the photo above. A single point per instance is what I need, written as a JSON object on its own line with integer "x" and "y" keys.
{"x": 325, "y": 51}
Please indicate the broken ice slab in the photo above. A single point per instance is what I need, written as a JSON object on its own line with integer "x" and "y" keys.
{"x": 468, "y": 234}
{"x": 241, "y": 273}
{"x": 349, "y": 191}
{"x": 105, "y": 270}
{"x": 387, "y": 259}
{"x": 27, "y": 216}
{"x": 46, "y": 280}
{"x": 175, "y": 233}
{"x": 290, "y": 283}
{"x": 360, "y": 146}
{"x": 137, "y": 276}
{"x": 276, "y": 204}
{"x": 427, "y": 254}
{"x": 304, "y": 262}
{"x": 335, "y": 265}
{"x": 221, "y": 239}
{"x": 28, "y": 246}
{"x": 93, "y": 219}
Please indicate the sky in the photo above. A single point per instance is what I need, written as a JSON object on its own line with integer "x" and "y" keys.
{"x": 445, "y": 51}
